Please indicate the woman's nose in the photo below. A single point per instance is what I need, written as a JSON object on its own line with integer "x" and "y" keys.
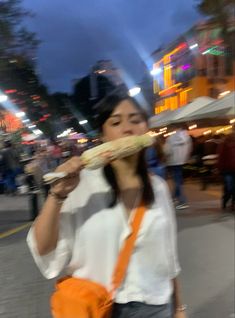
{"x": 127, "y": 129}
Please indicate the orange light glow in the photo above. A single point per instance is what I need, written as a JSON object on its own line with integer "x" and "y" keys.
{"x": 170, "y": 89}
{"x": 9, "y": 122}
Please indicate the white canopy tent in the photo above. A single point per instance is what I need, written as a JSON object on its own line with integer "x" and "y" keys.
{"x": 157, "y": 119}
{"x": 180, "y": 114}
{"x": 196, "y": 105}
{"x": 224, "y": 107}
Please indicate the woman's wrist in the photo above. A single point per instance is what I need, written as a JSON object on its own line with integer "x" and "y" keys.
{"x": 57, "y": 197}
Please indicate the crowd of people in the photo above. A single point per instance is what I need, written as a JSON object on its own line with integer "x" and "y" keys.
{"x": 18, "y": 161}
{"x": 166, "y": 158}
{"x": 212, "y": 155}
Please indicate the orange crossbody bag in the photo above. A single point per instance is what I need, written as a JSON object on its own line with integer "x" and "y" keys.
{"x": 82, "y": 298}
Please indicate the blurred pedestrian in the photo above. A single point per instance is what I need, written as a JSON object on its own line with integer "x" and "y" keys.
{"x": 11, "y": 163}
{"x": 211, "y": 145}
{"x": 56, "y": 154}
{"x": 178, "y": 149}
{"x": 156, "y": 158}
{"x": 88, "y": 217}
{"x": 226, "y": 165}
{"x": 39, "y": 165}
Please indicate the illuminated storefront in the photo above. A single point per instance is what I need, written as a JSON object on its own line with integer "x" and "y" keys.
{"x": 8, "y": 122}
{"x": 194, "y": 65}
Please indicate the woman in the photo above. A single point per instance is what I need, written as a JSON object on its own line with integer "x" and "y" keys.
{"x": 83, "y": 232}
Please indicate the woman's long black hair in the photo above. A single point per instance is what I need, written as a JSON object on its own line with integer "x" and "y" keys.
{"x": 104, "y": 109}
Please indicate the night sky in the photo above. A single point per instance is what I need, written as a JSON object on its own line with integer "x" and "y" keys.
{"x": 77, "y": 33}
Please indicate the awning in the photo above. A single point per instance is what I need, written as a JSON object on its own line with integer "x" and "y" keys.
{"x": 223, "y": 107}
{"x": 196, "y": 105}
{"x": 180, "y": 114}
{"x": 157, "y": 119}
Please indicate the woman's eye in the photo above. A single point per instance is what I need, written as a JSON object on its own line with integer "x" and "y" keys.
{"x": 136, "y": 121}
{"x": 116, "y": 123}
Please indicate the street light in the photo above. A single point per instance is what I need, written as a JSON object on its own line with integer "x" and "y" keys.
{"x": 193, "y": 46}
{"x": 37, "y": 132}
{"x": 20, "y": 114}
{"x": 3, "y": 98}
{"x": 25, "y": 120}
{"x": 134, "y": 91}
{"x": 156, "y": 71}
{"x": 83, "y": 122}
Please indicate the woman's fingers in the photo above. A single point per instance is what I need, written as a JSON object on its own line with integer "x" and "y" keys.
{"x": 71, "y": 167}
{"x": 72, "y": 175}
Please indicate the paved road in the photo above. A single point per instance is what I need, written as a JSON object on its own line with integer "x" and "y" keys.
{"x": 206, "y": 248}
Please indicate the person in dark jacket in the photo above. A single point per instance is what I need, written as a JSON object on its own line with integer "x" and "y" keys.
{"x": 155, "y": 159}
{"x": 11, "y": 166}
{"x": 226, "y": 165}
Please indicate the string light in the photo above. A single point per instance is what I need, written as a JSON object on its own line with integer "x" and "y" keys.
{"x": 223, "y": 129}
{"x": 207, "y": 132}
{"x": 82, "y": 141}
{"x": 152, "y": 133}
{"x": 192, "y": 127}
{"x": 163, "y": 129}
{"x": 169, "y": 134}
{"x": 224, "y": 93}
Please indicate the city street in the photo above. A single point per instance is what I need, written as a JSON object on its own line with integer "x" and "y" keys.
{"x": 132, "y": 88}
{"x": 206, "y": 248}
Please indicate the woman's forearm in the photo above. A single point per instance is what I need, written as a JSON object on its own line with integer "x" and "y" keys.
{"x": 46, "y": 226}
{"x": 177, "y": 302}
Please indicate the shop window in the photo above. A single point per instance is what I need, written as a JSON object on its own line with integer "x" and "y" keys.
{"x": 213, "y": 92}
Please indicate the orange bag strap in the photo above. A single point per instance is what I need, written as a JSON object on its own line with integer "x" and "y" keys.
{"x": 126, "y": 251}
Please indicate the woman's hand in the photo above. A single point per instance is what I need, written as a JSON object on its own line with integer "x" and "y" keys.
{"x": 180, "y": 314}
{"x": 64, "y": 186}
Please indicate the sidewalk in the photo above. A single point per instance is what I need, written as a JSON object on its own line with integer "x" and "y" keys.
{"x": 201, "y": 202}
{"x": 14, "y": 211}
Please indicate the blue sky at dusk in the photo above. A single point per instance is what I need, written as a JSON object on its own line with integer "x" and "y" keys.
{"x": 77, "y": 33}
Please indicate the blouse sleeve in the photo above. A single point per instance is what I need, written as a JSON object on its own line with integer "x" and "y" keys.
{"x": 51, "y": 264}
{"x": 174, "y": 266}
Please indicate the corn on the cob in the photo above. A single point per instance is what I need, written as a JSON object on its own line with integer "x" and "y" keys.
{"x": 103, "y": 154}
{"x": 117, "y": 149}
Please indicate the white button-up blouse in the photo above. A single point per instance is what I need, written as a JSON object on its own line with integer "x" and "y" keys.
{"x": 91, "y": 235}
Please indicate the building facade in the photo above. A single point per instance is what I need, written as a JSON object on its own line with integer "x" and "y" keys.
{"x": 196, "y": 64}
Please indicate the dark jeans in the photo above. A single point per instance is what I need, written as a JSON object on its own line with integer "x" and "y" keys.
{"x": 229, "y": 188}
{"x": 177, "y": 175}
{"x": 136, "y": 309}
{"x": 10, "y": 176}
{"x": 159, "y": 170}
